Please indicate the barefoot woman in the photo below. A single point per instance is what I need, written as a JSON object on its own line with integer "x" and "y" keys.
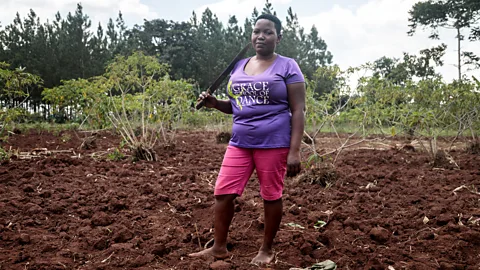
{"x": 267, "y": 100}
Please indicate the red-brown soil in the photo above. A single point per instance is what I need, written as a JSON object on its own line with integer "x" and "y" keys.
{"x": 69, "y": 210}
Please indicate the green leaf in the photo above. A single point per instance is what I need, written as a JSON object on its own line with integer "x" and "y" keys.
{"x": 319, "y": 224}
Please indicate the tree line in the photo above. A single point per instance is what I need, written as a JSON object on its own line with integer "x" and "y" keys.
{"x": 71, "y": 47}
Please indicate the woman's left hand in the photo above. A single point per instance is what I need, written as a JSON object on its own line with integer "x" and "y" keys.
{"x": 293, "y": 163}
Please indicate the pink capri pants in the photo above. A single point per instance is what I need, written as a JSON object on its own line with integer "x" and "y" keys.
{"x": 238, "y": 165}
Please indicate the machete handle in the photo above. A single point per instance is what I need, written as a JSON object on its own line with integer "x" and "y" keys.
{"x": 201, "y": 102}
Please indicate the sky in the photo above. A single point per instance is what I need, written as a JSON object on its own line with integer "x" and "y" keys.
{"x": 356, "y": 31}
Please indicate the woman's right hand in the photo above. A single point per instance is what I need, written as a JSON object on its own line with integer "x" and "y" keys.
{"x": 210, "y": 101}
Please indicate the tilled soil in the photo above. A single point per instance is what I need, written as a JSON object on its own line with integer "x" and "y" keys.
{"x": 376, "y": 208}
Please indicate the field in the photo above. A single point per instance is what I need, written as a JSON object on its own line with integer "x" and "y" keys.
{"x": 66, "y": 207}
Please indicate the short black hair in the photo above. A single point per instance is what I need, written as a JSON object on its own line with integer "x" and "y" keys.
{"x": 272, "y": 18}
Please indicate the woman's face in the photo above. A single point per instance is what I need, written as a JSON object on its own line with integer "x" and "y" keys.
{"x": 264, "y": 37}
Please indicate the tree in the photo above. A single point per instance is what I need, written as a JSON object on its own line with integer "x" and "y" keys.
{"x": 290, "y": 45}
{"x": 173, "y": 43}
{"x": 401, "y": 71}
{"x": 268, "y": 9}
{"x": 16, "y": 84}
{"x": 211, "y": 53}
{"x": 314, "y": 52}
{"x": 234, "y": 36}
{"x": 451, "y": 14}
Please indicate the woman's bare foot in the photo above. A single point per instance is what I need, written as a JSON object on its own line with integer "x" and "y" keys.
{"x": 216, "y": 253}
{"x": 263, "y": 257}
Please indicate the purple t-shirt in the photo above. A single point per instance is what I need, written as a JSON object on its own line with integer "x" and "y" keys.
{"x": 261, "y": 113}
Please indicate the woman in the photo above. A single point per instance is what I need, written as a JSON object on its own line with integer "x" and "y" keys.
{"x": 267, "y": 100}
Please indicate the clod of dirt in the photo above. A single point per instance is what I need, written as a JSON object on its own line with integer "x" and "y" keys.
{"x": 28, "y": 174}
{"x": 408, "y": 148}
{"x": 123, "y": 236}
{"x": 143, "y": 260}
{"x": 447, "y": 266}
{"x": 28, "y": 189}
{"x": 324, "y": 238}
{"x": 443, "y": 219}
{"x": 306, "y": 248}
{"x": 6, "y": 178}
{"x": 379, "y": 234}
{"x": 443, "y": 160}
{"x": 294, "y": 211}
{"x": 102, "y": 243}
{"x": 48, "y": 173}
{"x": 473, "y": 147}
{"x": 168, "y": 146}
{"x": 21, "y": 257}
{"x": 160, "y": 250}
{"x": 374, "y": 264}
{"x": 117, "y": 205}
{"x": 163, "y": 198}
{"x": 318, "y": 254}
{"x": 49, "y": 248}
{"x": 89, "y": 143}
{"x": 101, "y": 219}
{"x": 24, "y": 239}
{"x": 471, "y": 236}
{"x": 220, "y": 265}
{"x": 426, "y": 235}
{"x": 45, "y": 194}
{"x": 223, "y": 137}
{"x": 314, "y": 216}
{"x": 306, "y": 139}
{"x": 33, "y": 209}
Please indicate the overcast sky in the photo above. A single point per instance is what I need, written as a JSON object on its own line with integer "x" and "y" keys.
{"x": 356, "y": 31}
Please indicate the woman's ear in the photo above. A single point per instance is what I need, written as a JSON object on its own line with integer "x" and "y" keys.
{"x": 279, "y": 37}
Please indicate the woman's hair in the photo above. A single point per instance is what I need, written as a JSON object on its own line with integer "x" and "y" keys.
{"x": 272, "y": 18}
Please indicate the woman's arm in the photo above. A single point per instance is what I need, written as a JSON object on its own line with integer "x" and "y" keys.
{"x": 224, "y": 106}
{"x": 296, "y": 101}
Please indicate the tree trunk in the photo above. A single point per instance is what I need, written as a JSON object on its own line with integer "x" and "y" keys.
{"x": 459, "y": 39}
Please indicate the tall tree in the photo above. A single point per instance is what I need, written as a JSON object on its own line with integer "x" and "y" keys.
{"x": 313, "y": 52}
{"x": 211, "y": 48}
{"x": 234, "y": 36}
{"x": 459, "y": 15}
{"x": 290, "y": 45}
{"x": 268, "y": 8}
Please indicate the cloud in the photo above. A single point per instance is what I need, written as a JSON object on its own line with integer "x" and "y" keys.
{"x": 355, "y": 34}
{"x": 98, "y": 10}
{"x": 375, "y": 29}
{"x": 240, "y": 8}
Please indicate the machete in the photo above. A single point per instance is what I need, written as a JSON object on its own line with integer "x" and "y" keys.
{"x": 224, "y": 74}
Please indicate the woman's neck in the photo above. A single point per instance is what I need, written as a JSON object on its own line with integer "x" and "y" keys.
{"x": 269, "y": 57}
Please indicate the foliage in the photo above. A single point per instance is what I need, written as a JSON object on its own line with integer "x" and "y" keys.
{"x": 4, "y": 155}
{"x": 87, "y": 97}
{"x": 115, "y": 155}
{"x": 326, "y": 111}
{"x": 399, "y": 71}
{"x": 15, "y": 86}
{"x": 423, "y": 109}
{"x": 148, "y": 102}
